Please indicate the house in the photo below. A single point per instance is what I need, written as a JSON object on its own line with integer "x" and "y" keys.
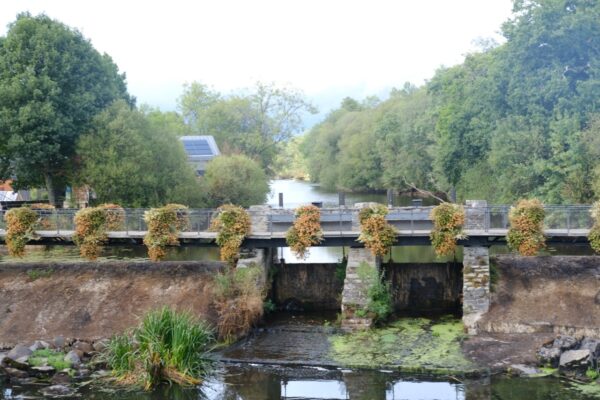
{"x": 200, "y": 150}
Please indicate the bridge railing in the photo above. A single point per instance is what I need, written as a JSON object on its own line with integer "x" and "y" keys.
{"x": 340, "y": 220}
{"x": 564, "y": 218}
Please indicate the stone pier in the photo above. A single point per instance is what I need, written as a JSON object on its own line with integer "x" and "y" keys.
{"x": 354, "y": 295}
{"x": 476, "y": 286}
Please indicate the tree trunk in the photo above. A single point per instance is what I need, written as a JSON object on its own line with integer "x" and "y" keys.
{"x": 50, "y": 189}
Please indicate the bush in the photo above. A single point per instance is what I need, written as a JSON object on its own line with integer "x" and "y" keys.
{"x": 232, "y": 224}
{"x": 306, "y": 230}
{"x": 379, "y": 306}
{"x": 164, "y": 225}
{"x": 448, "y": 220}
{"x": 238, "y": 300}
{"x": 594, "y": 235}
{"x": 526, "y": 232}
{"x": 90, "y": 231}
{"x": 167, "y": 346}
{"x": 235, "y": 179}
{"x": 375, "y": 232}
{"x": 115, "y": 216}
{"x": 20, "y": 223}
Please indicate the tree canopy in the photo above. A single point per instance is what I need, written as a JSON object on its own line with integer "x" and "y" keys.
{"x": 514, "y": 120}
{"x": 52, "y": 83}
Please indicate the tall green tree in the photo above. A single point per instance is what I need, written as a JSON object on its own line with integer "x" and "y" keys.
{"x": 129, "y": 159}
{"x": 52, "y": 83}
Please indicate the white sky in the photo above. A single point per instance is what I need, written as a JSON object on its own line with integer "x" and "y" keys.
{"x": 327, "y": 48}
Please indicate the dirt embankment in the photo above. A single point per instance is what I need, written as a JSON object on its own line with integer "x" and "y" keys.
{"x": 554, "y": 294}
{"x": 92, "y": 300}
{"x": 534, "y": 300}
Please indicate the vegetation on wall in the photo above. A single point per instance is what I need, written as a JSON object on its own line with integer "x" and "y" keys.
{"x": 164, "y": 225}
{"x": 238, "y": 299}
{"x": 306, "y": 230}
{"x": 448, "y": 220}
{"x": 526, "y": 232}
{"x": 90, "y": 231}
{"x": 20, "y": 224}
{"x": 375, "y": 232}
{"x": 379, "y": 305}
{"x": 594, "y": 235}
{"x": 167, "y": 346}
{"x": 232, "y": 224}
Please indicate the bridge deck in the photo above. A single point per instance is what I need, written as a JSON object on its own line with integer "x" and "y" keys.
{"x": 331, "y": 238}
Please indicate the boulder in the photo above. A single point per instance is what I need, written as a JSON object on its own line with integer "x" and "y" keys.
{"x": 59, "y": 342}
{"x": 549, "y": 356}
{"x": 16, "y": 373}
{"x": 565, "y": 343}
{"x": 593, "y": 345}
{"x": 57, "y": 391}
{"x": 84, "y": 347}
{"x": 43, "y": 371}
{"x": 19, "y": 351}
{"x": 100, "y": 345}
{"x": 578, "y": 360}
{"x": 73, "y": 358}
{"x": 39, "y": 344}
{"x": 523, "y": 370}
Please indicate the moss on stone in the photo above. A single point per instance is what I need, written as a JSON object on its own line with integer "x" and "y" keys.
{"x": 408, "y": 344}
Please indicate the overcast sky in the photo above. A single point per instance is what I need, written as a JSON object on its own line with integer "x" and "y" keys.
{"x": 327, "y": 48}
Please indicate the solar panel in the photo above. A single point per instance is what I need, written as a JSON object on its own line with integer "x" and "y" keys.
{"x": 197, "y": 147}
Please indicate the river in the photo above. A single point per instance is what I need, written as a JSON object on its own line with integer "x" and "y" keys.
{"x": 253, "y": 381}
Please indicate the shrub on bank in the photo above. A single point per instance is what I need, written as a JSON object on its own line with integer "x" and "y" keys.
{"x": 232, "y": 224}
{"x": 20, "y": 224}
{"x": 306, "y": 230}
{"x": 167, "y": 346}
{"x": 375, "y": 232}
{"x": 238, "y": 299}
{"x": 526, "y": 232}
{"x": 448, "y": 220}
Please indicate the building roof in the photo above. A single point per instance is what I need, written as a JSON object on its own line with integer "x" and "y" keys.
{"x": 200, "y": 148}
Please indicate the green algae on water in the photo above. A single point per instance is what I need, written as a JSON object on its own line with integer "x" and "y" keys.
{"x": 408, "y": 344}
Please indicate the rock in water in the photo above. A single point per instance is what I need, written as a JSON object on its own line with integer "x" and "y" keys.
{"x": 549, "y": 356}
{"x": 578, "y": 360}
{"x": 56, "y": 391}
{"x": 592, "y": 345}
{"x": 523, "y": 370}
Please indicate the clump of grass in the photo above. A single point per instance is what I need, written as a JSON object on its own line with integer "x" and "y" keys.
{"x": 379, "y": 304}
{"x": 35, "y": 274}
{"x": 50, "y": 357}
{"x": 167, "y": 346}
{"x": 238, "y": 300}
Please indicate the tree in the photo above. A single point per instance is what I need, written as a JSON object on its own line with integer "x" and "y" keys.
{"x": 129, "y": 160}
{"x": 255, "y": 123}
{"x": 52, "y": 83}
{"x": 234, "y": 179}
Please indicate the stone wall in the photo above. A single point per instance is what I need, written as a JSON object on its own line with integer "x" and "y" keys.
{"x": 425, "y": 288}
{"x": 546, "y": 294}
{"x": 93, "y": 300}
{"x": 307, "y": 286}
{"x": 476, "y": 286}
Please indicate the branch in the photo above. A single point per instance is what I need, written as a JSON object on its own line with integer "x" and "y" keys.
{"x": 424, "y": 192}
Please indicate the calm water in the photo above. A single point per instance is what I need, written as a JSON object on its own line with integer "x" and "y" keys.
{"x": 252, "y": 382}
